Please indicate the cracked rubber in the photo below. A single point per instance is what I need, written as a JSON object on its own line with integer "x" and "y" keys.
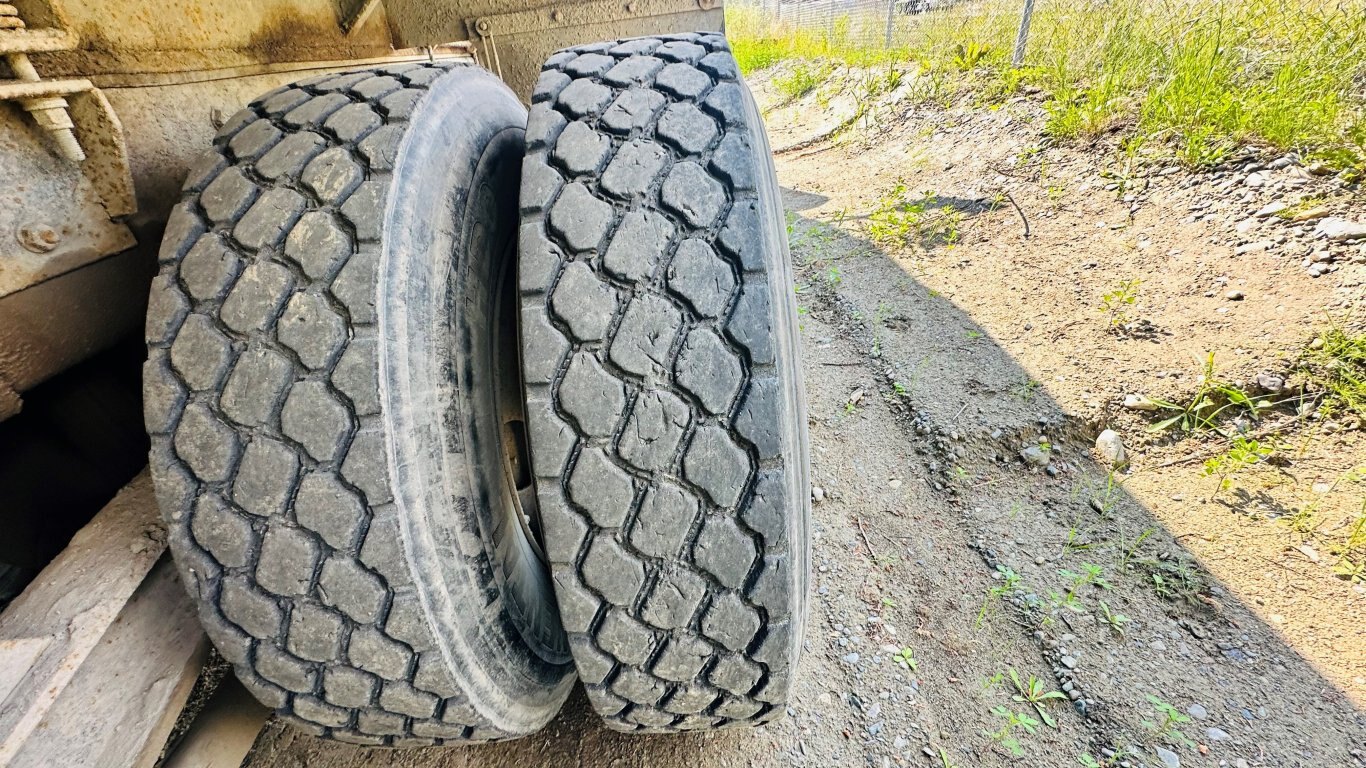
{"x": 667, "y": 421}
{"x": 325, "y": 441}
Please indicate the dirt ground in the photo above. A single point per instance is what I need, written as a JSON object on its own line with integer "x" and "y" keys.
{"x": 929, "y": 371}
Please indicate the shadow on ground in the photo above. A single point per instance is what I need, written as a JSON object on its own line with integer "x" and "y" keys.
{"x": 936, "y": 535}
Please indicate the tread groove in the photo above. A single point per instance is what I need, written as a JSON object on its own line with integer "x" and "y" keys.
{"x": 708, "y": 445}
{"x": 326, "y": 423}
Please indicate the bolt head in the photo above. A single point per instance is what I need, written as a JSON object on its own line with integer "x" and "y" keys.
{"x": 38, "y": 238}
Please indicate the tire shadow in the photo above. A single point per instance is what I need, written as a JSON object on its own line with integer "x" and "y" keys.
{"x": 920, "y": 421}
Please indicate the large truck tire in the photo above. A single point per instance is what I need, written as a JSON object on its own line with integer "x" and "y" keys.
{"x": 332, "y": 393}
{"x": 664, "y": 396}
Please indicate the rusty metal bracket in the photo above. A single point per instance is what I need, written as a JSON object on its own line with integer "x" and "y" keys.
{"x": 45, "y": 104}
{"x": 68, "y": 110}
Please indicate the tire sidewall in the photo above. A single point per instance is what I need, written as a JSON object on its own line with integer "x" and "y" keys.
{"x": 449, "y": 221}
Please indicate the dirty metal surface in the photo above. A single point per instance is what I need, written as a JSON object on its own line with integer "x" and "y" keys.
{"x": 134, "y": 36}
{"x": 519, "y": 36}
{"x": 47, "y": 328}
{"x": 53, "y": 218}
{"x": 44, "y": 29}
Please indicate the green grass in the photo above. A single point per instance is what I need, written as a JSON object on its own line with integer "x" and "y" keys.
{"x": 1214, "y": 400}
{"x": 801, "y": 79}
{"x": 901, "y": 220}
{"x": 1199, "y": 76}
{"x": 1337, "y": 368}
{"x": 1243, "y": 452}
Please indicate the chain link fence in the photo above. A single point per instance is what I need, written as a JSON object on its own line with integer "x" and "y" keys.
{"x": 890, "y": 23}
{"x": 1212, "y": 73}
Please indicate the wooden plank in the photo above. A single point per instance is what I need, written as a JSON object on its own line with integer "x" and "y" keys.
{"x": 71, "y": 605}
{"x": 123, "y": 702}
{"x": 224, "y": 732}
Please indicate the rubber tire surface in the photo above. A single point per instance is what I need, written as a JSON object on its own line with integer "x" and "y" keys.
{"x": 667, "y": 420}
{"x": 325, "y": 446}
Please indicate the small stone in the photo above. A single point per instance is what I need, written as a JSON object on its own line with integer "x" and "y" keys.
{"x": 1035, "y": 455}
{"x": 1256, "y": 180}
{"x": 1255, "y": 247}
{"x": 1217, "y": 734}
{"x": 1139, "y": 403}
{"x": 1069, "y": 662}
{"x": 817, "y": 494}
{"x": 1340, "y": 230}
{"x": 850, "y": 658}
{"x": 1270, "y": 383}
{"x": 1271, "y": 209}
{"x": 1197, "y": 711}
{"x": 1111, "y": 448}
{"x": 1317, "y": 212}
{"x": 1235, "y": 295}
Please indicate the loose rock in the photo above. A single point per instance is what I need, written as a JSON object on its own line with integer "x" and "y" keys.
{"x": 1111, "y": 448}
{"x": 1035, "y": 455}
{"x": 1139, "y": 403}
{"x": 1270, "y": 383}
{"x": 1340, "y": 230}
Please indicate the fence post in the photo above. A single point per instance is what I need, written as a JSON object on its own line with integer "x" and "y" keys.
{"x": 1023, "y": 37}
{"x": 891, "y": 6}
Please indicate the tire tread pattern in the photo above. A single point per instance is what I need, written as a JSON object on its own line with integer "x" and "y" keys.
{"x": 261, "y": 396}
{"x": 664, "y": 435}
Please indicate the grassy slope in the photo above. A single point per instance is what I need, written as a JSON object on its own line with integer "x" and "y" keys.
{"x": 1202, "y": 75}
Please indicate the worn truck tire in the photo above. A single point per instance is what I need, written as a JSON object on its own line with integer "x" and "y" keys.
{"x": 664, "y": 398}
{"x": 328, "y": 363}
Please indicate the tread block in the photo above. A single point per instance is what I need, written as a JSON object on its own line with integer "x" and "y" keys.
{"x": 650, "y": 296}
{"x": 261, "y": 393}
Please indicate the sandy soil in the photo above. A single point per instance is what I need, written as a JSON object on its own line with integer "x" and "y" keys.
{"x": 929, "y": 369}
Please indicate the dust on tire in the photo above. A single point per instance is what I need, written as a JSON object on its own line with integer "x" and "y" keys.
{"x": 268, "y": 422}
{"x": 663, "y": 388}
